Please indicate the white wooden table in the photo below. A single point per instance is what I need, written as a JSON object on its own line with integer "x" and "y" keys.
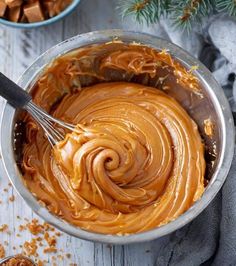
{"x": 18, "y": 49}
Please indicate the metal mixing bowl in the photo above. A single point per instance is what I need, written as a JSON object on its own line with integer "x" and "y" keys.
{"x": 214, "y": 104}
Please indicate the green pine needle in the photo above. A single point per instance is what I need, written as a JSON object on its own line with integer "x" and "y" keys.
{"x": 226, "y": 6}
{"x": 189, "y": 12}
{"x": 184, "y": 13}
{"x": 148, "y": 11}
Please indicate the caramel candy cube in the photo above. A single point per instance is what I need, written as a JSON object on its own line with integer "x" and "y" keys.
{"x": 14, "y": 14}
{"x": 33, "y": 12}
{"x": 14, "y": 3}
{"x": 3, "y": 8}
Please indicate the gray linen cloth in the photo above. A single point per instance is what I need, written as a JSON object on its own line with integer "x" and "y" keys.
{"x": 211, "y": 238}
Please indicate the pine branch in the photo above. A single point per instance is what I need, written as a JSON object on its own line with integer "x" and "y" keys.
{"x": 149, "y": 11}
{"x": 184, "y": 13}
{"x": 226, "y": 6}
{"x": 189, "y": 12}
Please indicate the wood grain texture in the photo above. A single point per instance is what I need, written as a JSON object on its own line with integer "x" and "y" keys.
{"x": 18, "y": 49}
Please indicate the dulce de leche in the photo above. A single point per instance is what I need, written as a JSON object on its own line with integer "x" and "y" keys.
{"x": 136, "y": 159}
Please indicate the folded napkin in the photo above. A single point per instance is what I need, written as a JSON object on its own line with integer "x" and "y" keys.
{"x": 211, "y": 238}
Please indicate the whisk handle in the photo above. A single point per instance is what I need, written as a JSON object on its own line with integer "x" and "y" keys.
{"x": 13, "y": 93}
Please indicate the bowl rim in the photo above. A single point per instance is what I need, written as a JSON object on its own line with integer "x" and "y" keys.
{"x": 218, "y": 98}
{"x": 46, "y": 22}
{"x": 15, "y": 256}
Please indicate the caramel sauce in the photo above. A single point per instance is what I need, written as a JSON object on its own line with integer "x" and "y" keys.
{"x": 136, "y": 159}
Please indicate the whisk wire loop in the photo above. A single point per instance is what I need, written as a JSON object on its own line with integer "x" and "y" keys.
{"x": 48, "y": 122}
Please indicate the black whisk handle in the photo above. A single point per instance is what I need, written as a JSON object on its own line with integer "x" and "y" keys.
{"x": 13, "y": 93}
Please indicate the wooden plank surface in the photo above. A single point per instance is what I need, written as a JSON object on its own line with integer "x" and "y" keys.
{"x": 18, "y": 49}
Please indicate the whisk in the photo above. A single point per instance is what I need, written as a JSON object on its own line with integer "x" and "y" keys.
{"x": 19, "y": 98}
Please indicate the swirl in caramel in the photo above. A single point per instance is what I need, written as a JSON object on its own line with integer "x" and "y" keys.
{"x": 134, "y": 162}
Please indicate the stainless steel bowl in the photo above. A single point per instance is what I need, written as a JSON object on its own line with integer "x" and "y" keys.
{"x": 214, "y": 104}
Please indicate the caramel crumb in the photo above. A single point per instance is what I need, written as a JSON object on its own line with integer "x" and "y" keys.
{"x": 58, "y": 234}
{"x": 2, "y": 251}
{"x": 60, "y": 257}
{"x": 12, "y": 198}
{"x": 208, "y": 127}
{"x": 48, "y": 234}
{"x": 50, "y": 250}
{"x": 3, "y": 228}
{"x": 68, "y": 255}
{"x": 34, "y": 227}
{"x": 48, "y": 227}
{"x": 193, "y": 68}
{"x": 21, "y": 228}
{"x": 165, "y": 88}
{"x": 30, "y": 247}
{"x": 50, "y": 240}
{"x": 40, "y": 263}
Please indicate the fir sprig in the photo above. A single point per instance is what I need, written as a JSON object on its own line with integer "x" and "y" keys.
{"x": 226, "y": 6}
{"x": 189, "y": 12}
{"x": 149, "y": 11}
{"x": 184, "y": 13}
